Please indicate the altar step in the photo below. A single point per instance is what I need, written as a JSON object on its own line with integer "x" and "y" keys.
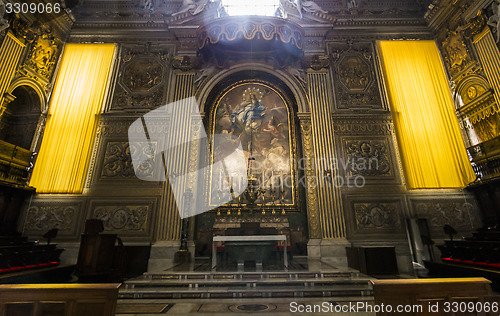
{"x": 191, "y": 285}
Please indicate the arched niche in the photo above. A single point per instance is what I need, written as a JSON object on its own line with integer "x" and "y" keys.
{"x": 20, "y": 118}
{"x": 230, "y": 85}
{"x": 244, "y": 71}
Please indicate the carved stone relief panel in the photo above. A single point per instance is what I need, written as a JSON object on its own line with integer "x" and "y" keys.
{"x": 42, "y": 55}
{"x": 43, "y": 215}
{"x": 369, "y": 157}
{"x": 112, "y": 161}
{"x": 461, "y": 212}
{"x": 456, "y": 54}
{"x": 355, "y": 78}
{"x": 117, "y": 162}
{"x": 125, "y": 217}
{"x": 375, "y": 216}
{"x": 142, "y": 77}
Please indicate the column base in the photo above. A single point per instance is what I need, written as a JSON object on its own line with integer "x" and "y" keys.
{"x": 162, "y": 256}
{"x": 333, "y": 251}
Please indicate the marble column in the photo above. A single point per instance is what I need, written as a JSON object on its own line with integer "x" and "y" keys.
{"x": 329, "y": 198}
{"x": 168, "y": 221}
{"x": 489, "y": 56}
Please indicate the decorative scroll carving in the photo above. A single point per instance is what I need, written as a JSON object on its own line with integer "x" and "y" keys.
{"x": 142, "y": 78}
{"x": 194, "y": 153}
{"x": 299, "y": 74}
{"x": 194, "y": 7}
{"x": 231, "y": 29}
{"x": 357, "y": 126}
{"x": 118, "y": 161}
{"x": 319, "y": 62}
{"x": 459, "y": 213}
{"x": 203, "y": 74}
{"x": 21, "y": 29}
{"x": 183, "y": 63}
{"x": 475, "y": 26}
{"x": 494, "y": 20}
{"x": 368, "y": 158}
{"x": 43, "y": 218}
{"x": 297, "y": 7}
{"x": 355, "y": 80}
{"x": 123, "y": 218}
{"x": 376, "y": 215}
{"x": 4, "y": 23}
{"x": 312, "y": 199}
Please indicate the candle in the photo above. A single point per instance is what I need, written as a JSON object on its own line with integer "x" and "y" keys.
{"x": 272, "y": 179}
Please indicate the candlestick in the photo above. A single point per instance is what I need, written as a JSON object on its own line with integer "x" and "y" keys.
{"x": 272, "y": 179}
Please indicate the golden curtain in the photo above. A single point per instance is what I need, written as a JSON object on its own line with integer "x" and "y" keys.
{"x": 427, "y": 130}
{"x": 76, "y": 102}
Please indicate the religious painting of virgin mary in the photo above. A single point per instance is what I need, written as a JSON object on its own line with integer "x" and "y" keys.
{"x": 256, "y": 115}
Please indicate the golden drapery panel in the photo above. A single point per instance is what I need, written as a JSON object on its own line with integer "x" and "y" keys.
{"x": 77, "y": 100}
{"x": 488, "y": 128}
{"x": 427, "y": 130}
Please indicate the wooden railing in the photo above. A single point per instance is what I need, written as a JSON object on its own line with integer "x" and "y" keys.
{"x": 14, "y": 164}
{"x": 473, "y": 296}
{"x": 58, "y": 299}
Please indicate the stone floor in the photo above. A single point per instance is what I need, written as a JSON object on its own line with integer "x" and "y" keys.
{"x": 311, "y": 275}
{"x": 274, "y": 307}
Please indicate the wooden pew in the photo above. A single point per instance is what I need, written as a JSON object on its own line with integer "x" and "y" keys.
{"x": 58, "y": 299}
{"x": 426, "y": 292}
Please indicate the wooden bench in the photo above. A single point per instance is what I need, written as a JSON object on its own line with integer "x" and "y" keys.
{"x": 426, "y": 292}
{"x": 58, "y": 299}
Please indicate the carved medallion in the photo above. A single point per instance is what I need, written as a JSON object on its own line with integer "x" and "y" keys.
{"x": 123, "y": 218}
{"x": 376, "y": 215}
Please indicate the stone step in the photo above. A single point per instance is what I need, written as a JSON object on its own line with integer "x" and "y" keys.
{"x": 244, "y": 282}
{"x": 244, "y": 292}
{"x": 247, "y": 275}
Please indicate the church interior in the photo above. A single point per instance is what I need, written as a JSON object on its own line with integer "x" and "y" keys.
{"x": 220, "y": 157}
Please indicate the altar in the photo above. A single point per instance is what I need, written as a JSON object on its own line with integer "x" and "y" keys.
{"x": 264, "y": 239}
{"x": 251, "y": 248}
